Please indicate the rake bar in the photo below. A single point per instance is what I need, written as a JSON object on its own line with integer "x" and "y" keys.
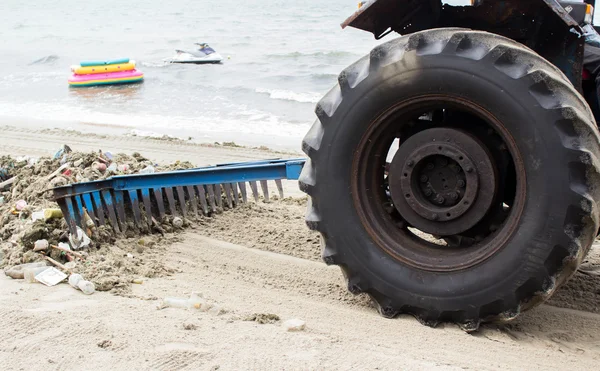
{"x": 121, "y": 199}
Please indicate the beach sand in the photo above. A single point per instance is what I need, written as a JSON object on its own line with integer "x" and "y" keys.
{"x": 252, "y": 263}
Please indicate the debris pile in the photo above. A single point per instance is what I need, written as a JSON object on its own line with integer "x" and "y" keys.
{"x": 32, "y": 227}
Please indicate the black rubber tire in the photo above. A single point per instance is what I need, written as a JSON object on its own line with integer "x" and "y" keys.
{"x": 558, "y": 142}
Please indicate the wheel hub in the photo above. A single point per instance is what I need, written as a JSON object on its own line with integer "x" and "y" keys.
{"x": 442, "y": 181}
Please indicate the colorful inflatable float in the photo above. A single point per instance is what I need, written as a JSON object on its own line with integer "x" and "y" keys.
{"x": 112, "y": 72}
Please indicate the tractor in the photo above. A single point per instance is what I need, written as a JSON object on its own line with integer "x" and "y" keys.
{"x": 453, "y": 172}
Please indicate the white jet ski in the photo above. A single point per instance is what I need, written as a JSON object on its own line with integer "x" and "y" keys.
{"x": 204, "y": 54}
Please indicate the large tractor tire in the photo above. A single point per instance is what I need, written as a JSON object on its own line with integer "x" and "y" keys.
{"x": 490, "y": 201}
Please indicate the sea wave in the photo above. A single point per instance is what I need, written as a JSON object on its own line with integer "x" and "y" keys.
{"x": 49, "y": 59}
{"x": 330, "y": 54}
{"x": 310, "y": 97}
{"x": 246, "y": 122}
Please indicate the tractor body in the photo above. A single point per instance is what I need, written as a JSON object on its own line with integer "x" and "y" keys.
{"x": 453, "y": 171}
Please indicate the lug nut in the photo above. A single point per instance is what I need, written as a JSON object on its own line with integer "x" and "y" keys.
{"x": 443, "y": 162}
{"x": 410, "y": 163}
{"x": 428, "y": 192}
{"x": 453, "y": 195}
{"x": 461, "y": 183}
{"x": 430, "y": 166}
{"x": 469, "y": 169}
{"x": 441, "y": 200}
{"x": 424, "y": 178}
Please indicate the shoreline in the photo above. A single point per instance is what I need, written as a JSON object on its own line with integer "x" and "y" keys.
{"x": 274, "y": 142}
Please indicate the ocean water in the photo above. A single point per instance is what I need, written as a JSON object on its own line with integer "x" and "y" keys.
{"x": 281, "y": 57}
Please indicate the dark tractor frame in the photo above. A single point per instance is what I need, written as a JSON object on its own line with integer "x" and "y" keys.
{"x": 550, "y": 30}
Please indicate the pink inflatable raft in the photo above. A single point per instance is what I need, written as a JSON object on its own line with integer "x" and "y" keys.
{"x": 113, "y": 78}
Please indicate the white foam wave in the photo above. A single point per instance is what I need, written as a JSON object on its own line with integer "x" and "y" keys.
{"x": 291, "y": 95}
{"x": 247, "y": 122}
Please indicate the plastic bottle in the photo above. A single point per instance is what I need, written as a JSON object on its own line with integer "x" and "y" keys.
{"x": 195, "y": 301}
{"x": 86, "y": 287}
{"x": 76, "y": 281}
{"x": 16, "y": 272}
{"x": 30, "y": 273}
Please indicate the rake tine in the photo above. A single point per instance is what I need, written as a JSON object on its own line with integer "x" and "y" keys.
{"x": 236, "y": 194}
{"x": 279, "y": 187}
{"x": 99, "y": 208}
{"x": 211, "y": 197}
{"x": 120, "y": 205}
{"x": 135, "y": 206}
{"x": 201, "y": 193}
{"x": 147, "y": 205}
{"x": 63, "y": 207}
{"x": 242, "y": 186}
{"x": 79, "y": 204}
{"x": 227, "y": 187}
{"x": 160, "y": 202}
{"x": 265, "y": 188}
{"x": 171, "y": 198}
{"x": 254, "y": 189}
{"x": 181, "y": 198}
{"x": 72, "y": 219}
{"x": 193, "y": 200}
{"x": 108, "y": 201}
{"x": 87, "y": 201}
{"x": 218, "y": 195}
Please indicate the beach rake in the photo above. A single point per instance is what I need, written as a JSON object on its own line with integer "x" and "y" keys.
{"x": 121, "y": 201}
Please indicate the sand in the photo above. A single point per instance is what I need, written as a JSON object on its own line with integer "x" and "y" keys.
{"x": 273, "y": 271}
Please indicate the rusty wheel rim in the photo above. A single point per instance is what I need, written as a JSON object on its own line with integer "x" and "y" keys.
{"x": 398, "y": 206}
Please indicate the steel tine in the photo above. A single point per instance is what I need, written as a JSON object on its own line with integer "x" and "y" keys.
{"x": 242, "y": 186}
{"x": 171, "y": 198}
{"x": 236, "y": 194}
{"x": 108, "y": 201}
{"x": 254, "y": 189}
{"x": 192, "y": 195}
{"x": 147, "y": 205}
{"x": 227, "y": 187}
{"x": 87, "y": 201}
{"x": 202, "y": 194}
{"x": 99, "y": 208}
{"x": 71, "y": 215}
{"x": 279, "y": 187}
{"x": 211, "y": 197}
{"x": 160, "y": 202}
{"x": 265, "y": 188}
{"x": 135, "y": 206}
{"x": 181, "y": 197}
{"x": 120, "y": 206}
{"x": 218, "y": 195}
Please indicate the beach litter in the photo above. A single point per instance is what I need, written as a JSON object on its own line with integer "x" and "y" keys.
{"x": 50, "y": 277}
{"x": 195, "y": 301}
{"x": 294, "y": 324}
{"x": 76, "y": 281}
{"x": 33, "y": 229}
{"x": 18, "y": 271}
{"x": 40, "y": 245}
{"x": 20, "y": 205}
{"x": 29, "y": 274}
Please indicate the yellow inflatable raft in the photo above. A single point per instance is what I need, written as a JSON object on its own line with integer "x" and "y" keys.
{"x": 92, "y": 70}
